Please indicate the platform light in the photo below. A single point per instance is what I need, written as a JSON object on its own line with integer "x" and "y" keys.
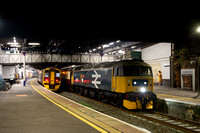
{"x": 198, "y": 29}
{"x": 118, "y": 41}
{"x": 133, "y": 46}
{"x": 34, "y": 44}
{"x": 13, "y": 43}
{"x": 111, "y": 43}
{"x": 14, "y": 39}
{"x": 121, "y": 51}
{"x": 105, "y": 46}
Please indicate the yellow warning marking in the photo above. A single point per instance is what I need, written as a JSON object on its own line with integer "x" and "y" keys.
{"x": 72, "y": 113}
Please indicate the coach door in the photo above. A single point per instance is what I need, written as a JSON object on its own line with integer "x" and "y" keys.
{"x": 52, "y": 77}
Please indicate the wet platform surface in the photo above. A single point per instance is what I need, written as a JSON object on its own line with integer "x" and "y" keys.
{"x": 184, "y": 104}
{"x": 177, "y": 94}
{"x": 34, "y": 109}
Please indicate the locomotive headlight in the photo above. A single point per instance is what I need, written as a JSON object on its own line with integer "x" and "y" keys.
{"x": 143, "y": 89}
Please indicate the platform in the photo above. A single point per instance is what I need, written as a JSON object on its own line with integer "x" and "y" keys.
{"x": 34, "y": 109}
{"x": 177, "y": 94}
{"x": 178, "y": 102}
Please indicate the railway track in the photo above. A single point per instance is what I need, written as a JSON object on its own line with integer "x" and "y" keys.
{"x": 155, "y": 117}
{"x": 173, "y": 122}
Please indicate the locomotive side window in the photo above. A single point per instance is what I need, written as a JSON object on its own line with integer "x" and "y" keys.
{"x": 115, "y": 72}
{"x": 118, "y": 71}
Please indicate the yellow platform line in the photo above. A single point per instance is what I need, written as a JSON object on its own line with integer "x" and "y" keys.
{"x": 72, "y": 113}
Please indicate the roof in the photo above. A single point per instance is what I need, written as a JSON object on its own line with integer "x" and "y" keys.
{"x": 131, "y": 62}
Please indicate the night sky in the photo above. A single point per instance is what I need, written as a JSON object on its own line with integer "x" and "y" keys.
{"x": 147, "y": 22}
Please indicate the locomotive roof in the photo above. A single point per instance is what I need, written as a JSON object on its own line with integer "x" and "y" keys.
{"x": 132, "y": 62}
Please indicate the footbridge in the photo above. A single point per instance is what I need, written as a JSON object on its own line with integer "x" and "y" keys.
{"x": 31, "y": 58}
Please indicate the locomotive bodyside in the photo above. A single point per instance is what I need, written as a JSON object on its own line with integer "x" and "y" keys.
{"x": 128, "y": 83}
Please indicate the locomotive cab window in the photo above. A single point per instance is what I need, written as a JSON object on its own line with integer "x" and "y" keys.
{"x": 46, "y": 74}
{"x": 133, "y": 71}
{"x": 137, "y": 71}
{"x": 145, "y": 71}
{"x": 57, "y": 74}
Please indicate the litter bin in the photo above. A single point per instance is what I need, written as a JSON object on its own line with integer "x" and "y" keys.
{"x": 24, "y": 82}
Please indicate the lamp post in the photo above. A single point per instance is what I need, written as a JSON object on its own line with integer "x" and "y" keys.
{"x": 197, "y": 60}
{"x": 24, "y": 64}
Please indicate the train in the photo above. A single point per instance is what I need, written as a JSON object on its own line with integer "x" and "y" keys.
{"x": 50, "y": 78}
{"x": 125, "y": 83}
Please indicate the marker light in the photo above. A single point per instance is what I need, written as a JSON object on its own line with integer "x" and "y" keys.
{"x": 142, "y": 89}
{"x": 46, "y": 79}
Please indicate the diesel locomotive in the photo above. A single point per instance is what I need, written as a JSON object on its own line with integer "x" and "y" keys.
{"x": 127, "y": 83}
{"x": 50, "y": 78}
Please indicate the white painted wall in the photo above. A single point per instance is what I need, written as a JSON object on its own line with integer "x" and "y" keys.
{"x": 157, "y": 51}
{"x": 157, "y": 56}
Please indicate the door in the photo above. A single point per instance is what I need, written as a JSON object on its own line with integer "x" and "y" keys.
{"x": 52, "y": 76}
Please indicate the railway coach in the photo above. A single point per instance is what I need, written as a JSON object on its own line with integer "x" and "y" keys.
{"x": 50, "y": 78}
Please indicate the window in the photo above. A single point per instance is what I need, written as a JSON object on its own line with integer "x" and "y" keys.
{"x": 133, "y": 71}
{"x": 46, "y": 74}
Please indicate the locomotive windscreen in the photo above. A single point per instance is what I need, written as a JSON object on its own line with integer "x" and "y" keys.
{"x": 135, "y": 71}
{"x": 46, "y": 73}
{"x": 57, "y": 74}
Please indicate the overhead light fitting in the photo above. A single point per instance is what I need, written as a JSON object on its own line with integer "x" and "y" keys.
{"x": 105, "y": 46}
{"x": 111, "y": 43}
{"x": 13, "y": 43}
{"x": 34, "y": 44}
